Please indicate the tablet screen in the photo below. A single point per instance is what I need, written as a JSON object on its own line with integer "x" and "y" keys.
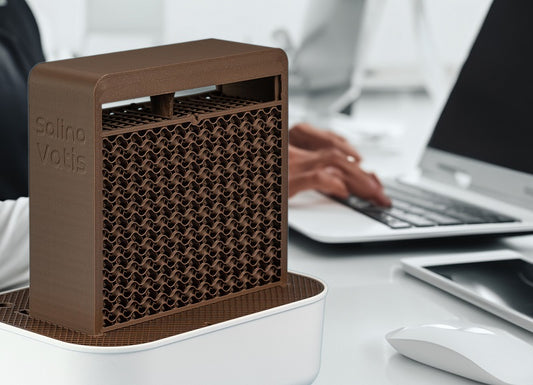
{"x": 505, "y": 282}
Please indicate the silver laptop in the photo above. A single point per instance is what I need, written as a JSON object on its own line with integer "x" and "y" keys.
{"x": 476, "y": 174}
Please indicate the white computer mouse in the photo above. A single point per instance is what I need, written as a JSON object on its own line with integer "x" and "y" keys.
{"x": 480, "y": 353}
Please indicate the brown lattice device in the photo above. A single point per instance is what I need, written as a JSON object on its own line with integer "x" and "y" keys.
{"x": 155, "y": 208}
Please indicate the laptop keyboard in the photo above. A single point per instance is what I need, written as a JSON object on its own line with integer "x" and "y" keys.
{"x": 415, "y": 207}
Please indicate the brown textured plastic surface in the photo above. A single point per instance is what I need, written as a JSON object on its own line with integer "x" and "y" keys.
{"x": 192, "y": 212}
{"x": 14, "y": 312}
{"x": 149, "y": 209}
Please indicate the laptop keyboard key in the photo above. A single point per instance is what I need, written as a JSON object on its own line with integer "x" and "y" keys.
{"x": 401, "y": 204}
{"x": 442, "y": 220}
{"x": 416, "y": 220}
{"x": 389, "y": 220}
{"x": 466, "y": 218}
{"x": 496, "y": 218}
{"x": 357, "y": 203}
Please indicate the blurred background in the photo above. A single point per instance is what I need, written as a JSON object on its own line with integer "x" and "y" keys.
{"x": 402, "y": 55}
{"x": 84, "y": 27}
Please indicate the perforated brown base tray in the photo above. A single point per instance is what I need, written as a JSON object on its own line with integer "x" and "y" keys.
{"x": 14, "y": 312}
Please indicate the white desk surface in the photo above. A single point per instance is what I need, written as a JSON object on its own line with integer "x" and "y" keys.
{"x": 369, "y": 295}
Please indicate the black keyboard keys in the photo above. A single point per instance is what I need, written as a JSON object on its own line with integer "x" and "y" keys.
{"x": 415, "y": 207}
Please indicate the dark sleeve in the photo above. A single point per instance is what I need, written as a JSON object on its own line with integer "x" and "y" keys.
{"x": 20, "y": 50}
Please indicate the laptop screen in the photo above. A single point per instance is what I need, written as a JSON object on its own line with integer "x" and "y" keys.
{"x": 489, "y": 114}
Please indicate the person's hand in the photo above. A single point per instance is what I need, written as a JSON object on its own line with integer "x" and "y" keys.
{"x": 307, "y": 137}
{"x": 326, "y": 162}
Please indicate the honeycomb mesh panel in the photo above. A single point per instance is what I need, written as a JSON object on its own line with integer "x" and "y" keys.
{"x": 14, "y": 312}
{"x": 191, "y": 211}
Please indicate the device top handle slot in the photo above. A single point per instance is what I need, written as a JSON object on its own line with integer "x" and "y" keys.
{"x": 190, "y": 104}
